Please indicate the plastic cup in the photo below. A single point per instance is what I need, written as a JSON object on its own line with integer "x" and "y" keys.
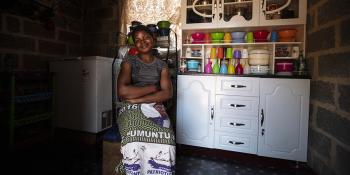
{"x": 249, "y": 37}
{"x": 273, "y": 36}
{"x": 245, "y": 53}
{"x": 237, "y": 54}
{"x": 213, "y": 53}
{"x": 229, "y": 52}
{"x": 220, "y": 53}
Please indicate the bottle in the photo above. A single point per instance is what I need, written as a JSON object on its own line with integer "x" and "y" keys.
{"x": 239, "y": 68}
{"x": 208, "y": 69}
{"x": 295, "y": 65}
{"x": 223, "y": 67}
{"x": 199, "y": 67}
{"x": 231, "y": 67}
{"x": 188, "y": 52}
{"x": 302, "y": 64}
{"x": 183, "y": 65}
{"x": 246, "y": 69}
{"x": 216, "y": 67}
{"x": 187, "y": 40}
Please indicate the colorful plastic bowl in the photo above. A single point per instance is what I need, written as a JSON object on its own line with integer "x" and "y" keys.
{"x": 217, "y": 36}
{"x": 163, "y": 24}
{"x": 237, "y": 35}
{"x": 260, "y": 35}
{"x": 198, "y": 36}
{"x": 287, "y": 33}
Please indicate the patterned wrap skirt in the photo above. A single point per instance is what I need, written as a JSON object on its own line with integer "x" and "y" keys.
{"x": 148, "y": 141}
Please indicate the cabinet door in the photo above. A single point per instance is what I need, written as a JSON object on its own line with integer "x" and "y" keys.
{"x": 195, "y": 110}
{"x": 199, "y": 14}
{"x": 283, "y": 120}
{"x": 237, "y": 13}
{"x": 293, "y": 13}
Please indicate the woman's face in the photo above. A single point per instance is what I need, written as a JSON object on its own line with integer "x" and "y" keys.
{"x": 143, "y": 42}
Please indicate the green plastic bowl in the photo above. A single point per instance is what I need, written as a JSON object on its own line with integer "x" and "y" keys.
{"x": 163, "y": 24}
{"x": 217, "y": 36}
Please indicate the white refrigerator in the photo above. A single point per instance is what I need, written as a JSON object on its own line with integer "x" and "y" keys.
{"x": 83, "y": 88}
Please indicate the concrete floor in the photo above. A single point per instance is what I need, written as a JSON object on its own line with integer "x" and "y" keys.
{"x": 89, "y": 155}
{"x": 84, "y": 161}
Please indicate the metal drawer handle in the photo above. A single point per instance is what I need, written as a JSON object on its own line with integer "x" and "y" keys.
{"x": 237, "y": 105}
{"x": 237, "y": 124}
{"x": 262, "y": 122}
{"x": 236, "y": 143}
{"x": 238, "y": 86}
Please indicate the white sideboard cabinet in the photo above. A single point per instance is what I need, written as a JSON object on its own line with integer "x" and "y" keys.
{"x": 263, "y": 116}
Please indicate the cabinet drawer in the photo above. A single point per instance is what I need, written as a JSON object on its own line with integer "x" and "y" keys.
{"x": 237, "y": 105}
{"x": 241, "y": 86}
{"x": 236, "y": 142}
{"x": 237, "y": 124}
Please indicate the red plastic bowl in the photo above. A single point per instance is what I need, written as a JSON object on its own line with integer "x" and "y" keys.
{"x": 198, "y": 36}
{"x": 261, "y": 34}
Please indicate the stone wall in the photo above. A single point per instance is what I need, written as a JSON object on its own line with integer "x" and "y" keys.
{"x": 26, "y": 44}
{"x": 328, "y": 54}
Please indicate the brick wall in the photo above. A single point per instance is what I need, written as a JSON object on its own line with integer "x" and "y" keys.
{"x": 100, "y": 27}
{"x": 25, "y": 44}
{"x": 328, "y": 53}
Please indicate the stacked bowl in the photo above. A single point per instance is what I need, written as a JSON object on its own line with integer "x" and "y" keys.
{"x": 197, "y": 37}
{"x": 261, "y": 35}
{"x": 238, "y": 37}
{"x": 217, "y": 37}
{"x": 163, "y": 28}
{"x": 259, "y": 61}
{"x": 287, "y": 35}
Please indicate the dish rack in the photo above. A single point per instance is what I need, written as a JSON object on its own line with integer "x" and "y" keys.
{"x": 30, "y": 108}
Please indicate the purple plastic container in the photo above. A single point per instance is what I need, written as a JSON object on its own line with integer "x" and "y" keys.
{"x": 237, "y": 54}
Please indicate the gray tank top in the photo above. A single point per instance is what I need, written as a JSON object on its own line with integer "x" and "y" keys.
{"x": 143, "y": 74}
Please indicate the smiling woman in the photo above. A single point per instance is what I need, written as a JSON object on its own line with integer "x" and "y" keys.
{"x": 148, "y": 141}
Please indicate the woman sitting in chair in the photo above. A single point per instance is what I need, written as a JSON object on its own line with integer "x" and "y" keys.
{"x": 148, "y": 141}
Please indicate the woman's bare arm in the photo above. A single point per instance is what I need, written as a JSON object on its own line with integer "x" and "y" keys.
{"x": 127, "y": 91}
{"x": 165, "y": 92}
